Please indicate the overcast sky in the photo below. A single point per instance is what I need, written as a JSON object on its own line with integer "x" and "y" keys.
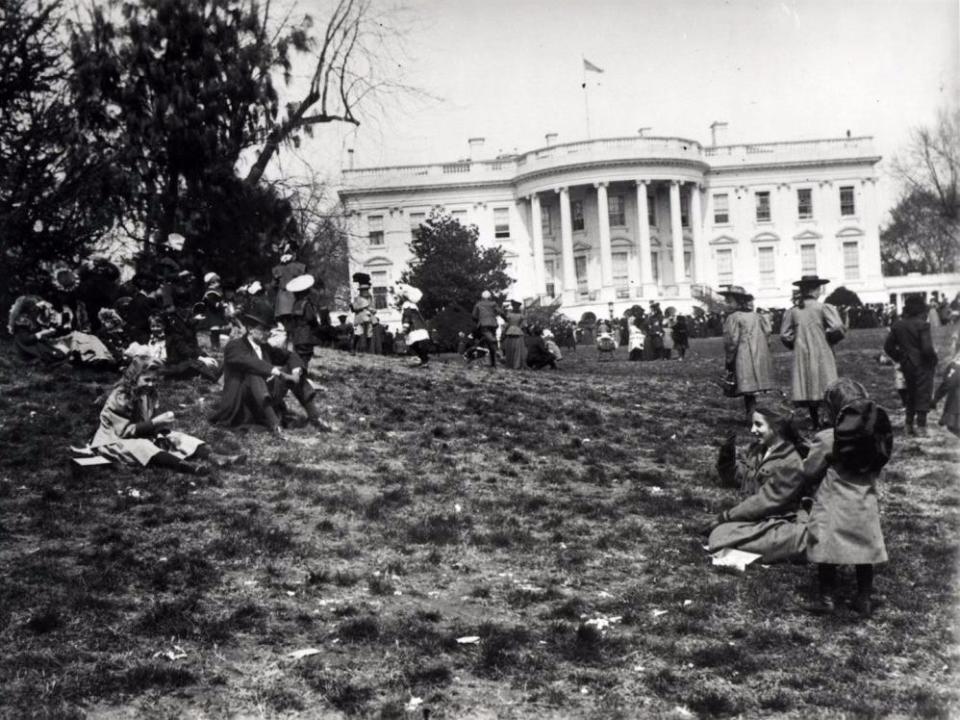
{"x": 511, "y": 71}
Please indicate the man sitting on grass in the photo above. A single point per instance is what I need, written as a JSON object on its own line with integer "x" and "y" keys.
{"x": 258, "y": 375}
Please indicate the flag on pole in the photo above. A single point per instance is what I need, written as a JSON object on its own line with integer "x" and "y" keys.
{"x": 587, "y": 65}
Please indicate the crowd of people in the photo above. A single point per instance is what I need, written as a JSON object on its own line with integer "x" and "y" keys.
{"x": 801, "y": 499}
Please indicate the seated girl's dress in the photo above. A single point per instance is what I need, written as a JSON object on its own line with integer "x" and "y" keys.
{"x": 126, "y": 433}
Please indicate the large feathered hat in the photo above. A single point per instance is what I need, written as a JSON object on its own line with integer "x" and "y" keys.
{"x": 408, "y": 292}
{"x": 362, "y": 280}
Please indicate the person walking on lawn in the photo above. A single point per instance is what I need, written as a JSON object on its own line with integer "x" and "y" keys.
{"x": 257, "y": 377}
{"x": 811, "y": 329}
{"x": 909, "y": 344}
{"x": 746, "y": 347}
{"x": 485, "y": 314}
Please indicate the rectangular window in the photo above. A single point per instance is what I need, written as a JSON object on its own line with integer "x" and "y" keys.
{"x": 615, "y": 210}
{"x": 549, "y": 268}
{"x": 416, "y": 219}
{"x": 808, "y": 259}
{"x": 501, "y": 223}
{"x": 766, "y": 264}
{"x": 545, "y": 227}
{"x": 804, "y": 203}
{"x": 847, "y": 203}
{"x": 725, "y": 267}
{"x": 721, "y": 209}
{"x": 763, "y": 206}
{"x": 651, "y": 210}
{"x": 577, "y": 209}
{"x": 580, "y": 268}
{"x": 655, "y": 266}
{"x": 460, "y": 216}
{"x": 378, "y": 279}
{"x": 375, "y": 229}
{"x": 621, "y": 274}
{"x": 688, "y": 264}
{"x": 851, "y": 260}
{"x": 684, "y": 210}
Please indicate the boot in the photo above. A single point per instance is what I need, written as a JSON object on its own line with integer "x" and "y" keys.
{"x": 921, "y": 424}
{"x": 313, "y": 414}
{"x": 910, "y": 429}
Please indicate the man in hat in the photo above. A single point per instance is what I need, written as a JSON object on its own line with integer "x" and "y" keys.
{"x": 910, "y": 346}
{"x": 363, "y": 312}
{"x": 745, "y": 333}
{"x": 258, "y": 375}
{"x": 486, "y": 315}
{"x": 811, "y": 329}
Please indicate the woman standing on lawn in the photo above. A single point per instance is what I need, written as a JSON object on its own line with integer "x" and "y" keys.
{"x": 514, "y": 347}
{"x": 909, "y": 344}
{"x": 745, "y": 343}
{"x": 811, "y": 329}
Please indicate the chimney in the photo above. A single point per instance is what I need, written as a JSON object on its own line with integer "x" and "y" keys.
{"x": 476, "y": 146}
{"x": 349, "y": 158}
{"x": 641, "y": 131}
{"x": 551, "y": 139}
{"x": 718, "y": 133}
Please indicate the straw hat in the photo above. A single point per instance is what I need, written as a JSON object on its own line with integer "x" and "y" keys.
{"x": 810, "y": 281}
{"x": 300, "y": 283}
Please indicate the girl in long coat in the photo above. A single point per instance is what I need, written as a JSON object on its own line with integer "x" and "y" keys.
{"x": 910, "y": 346}
{"x": 514, "y": 347}
{"x": 844, "y": 525}
{"x": 417, "y": 336}
{"x": 131, "y": 431}
{"x": 769, "y": 520}
{"x": 745, "y": 344}
{"x": 811, "y": 329}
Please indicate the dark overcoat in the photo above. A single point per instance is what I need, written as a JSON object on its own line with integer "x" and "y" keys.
{"x": 240, "y": 362}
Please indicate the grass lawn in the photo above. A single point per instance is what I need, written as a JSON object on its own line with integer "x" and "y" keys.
{"x": 507, "y": 508}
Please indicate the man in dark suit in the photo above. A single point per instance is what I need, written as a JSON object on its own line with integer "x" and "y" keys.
{"x": 257, "y": 377}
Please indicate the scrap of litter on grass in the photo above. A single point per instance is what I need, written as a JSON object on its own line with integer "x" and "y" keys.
{"x": 177, "y": 653}
{"x": 413, "y": 704}
{"x": 302, "y": 653}
{"x": 602, "y": 622}
{"x": 731, "y": 557}
{"x": 468, "y": 640}
{"x": 657, "y": 613}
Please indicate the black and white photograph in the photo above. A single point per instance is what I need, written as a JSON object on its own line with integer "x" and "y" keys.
{"x": 460, "y": 360}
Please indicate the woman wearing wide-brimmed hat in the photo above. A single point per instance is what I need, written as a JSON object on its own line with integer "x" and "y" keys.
{"x": 514, "y": 347}
{"x": 745, "y": 335}
{"x": 910, "y": 346}
{"x": 810, "y": 329}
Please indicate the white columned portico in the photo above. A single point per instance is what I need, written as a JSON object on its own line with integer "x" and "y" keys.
{"x": 648, "y": 288}
{"x": 676, "y": 233}
{"x": 606, "y": 260}
{"x": 566, "y": 247}
{"x": 699, "y": 248}
{"x": 536, "y": 229}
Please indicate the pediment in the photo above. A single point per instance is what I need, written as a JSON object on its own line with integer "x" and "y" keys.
{"x": 724, "y": 240}
{"x": 850, "y": 232}
{"x": 765, "y": 237}
{"x": 621, "y": 242}
{"x": 378, "y": 261}
{"x": 808, "y": 235}
{"x": 581, "y": 246}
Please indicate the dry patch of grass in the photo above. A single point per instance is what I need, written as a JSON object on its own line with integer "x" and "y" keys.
{"x": 517, "y": 544}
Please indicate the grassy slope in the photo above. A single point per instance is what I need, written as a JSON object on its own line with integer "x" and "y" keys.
{"x": 509, "y": 506}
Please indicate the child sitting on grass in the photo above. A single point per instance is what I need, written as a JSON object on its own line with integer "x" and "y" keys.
{"x": 131, "y": 431}
{"x": 950, "y": 389}
{"x": 844, "y": 525}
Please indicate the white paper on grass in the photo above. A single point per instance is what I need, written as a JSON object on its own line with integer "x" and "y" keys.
{"x": 731, "y": 557}
{"x": 305, "y": 652}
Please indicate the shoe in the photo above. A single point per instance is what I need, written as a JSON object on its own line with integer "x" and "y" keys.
{"x": 921, "y": 431}
{"x": 862, "y": 606}
{"x": 322, "y": 426}
{"x": 197, "y": 469}
{"x": 910, "y": 431}
{"x": 222, "y": 461}
{"x": 823, "y": 605}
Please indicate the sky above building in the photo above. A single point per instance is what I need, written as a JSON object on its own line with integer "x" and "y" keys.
{"x": 511, "y": 71}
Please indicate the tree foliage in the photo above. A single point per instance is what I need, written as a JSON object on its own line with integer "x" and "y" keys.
{"x": 924, "y": 232}
{"x": 450, "y": 267}
{"x": 844, "y": 297}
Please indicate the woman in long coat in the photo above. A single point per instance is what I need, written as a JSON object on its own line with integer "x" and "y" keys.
{"x": 745, "y": 344}
{"x": 910, "y": 346}
{"x": 811, "y": 329}
{"x": 514, "y": 347}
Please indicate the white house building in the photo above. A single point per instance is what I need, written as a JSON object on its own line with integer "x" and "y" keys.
{"x": 605, "y": 224}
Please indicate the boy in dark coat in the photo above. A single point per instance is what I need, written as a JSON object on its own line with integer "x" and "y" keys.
{"x": 257, "y": 377}
{"x": 909, "y": 344}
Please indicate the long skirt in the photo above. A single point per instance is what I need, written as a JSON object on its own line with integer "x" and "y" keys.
{"x": 515, "y": 350}
{"x": 775, "y": 539}
{"x": 140, "y": 451}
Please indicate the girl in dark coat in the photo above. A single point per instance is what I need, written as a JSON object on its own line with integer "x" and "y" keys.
{"x": 909, "y": 344}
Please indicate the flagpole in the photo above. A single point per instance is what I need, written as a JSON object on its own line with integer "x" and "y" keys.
{"x": 586, "y": 100}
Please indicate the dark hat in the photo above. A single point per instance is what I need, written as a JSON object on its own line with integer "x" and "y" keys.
{"x": 810, "y": 281}
{"x": 863, "y": 437}
{"x": 736, "y": 291}
{"x": 259, "y": 312}
{"x": 361, "y": 279}
{"x": 914, "y": 305}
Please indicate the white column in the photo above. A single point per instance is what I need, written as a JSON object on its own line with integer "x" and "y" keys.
{"x": 536, "y": 229}
{"x": 870, "y": 249}
{"x": 566, "y": 247}
{"x": 676, "y": 233}
{"x": 606, "y": 260}
{"x": 699, "y": 247}
{"x": 648, "y": 289}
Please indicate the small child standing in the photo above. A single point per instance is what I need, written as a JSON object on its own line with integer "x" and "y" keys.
{"x": 844, "y": 525}
{"x": 950, "y": 389}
